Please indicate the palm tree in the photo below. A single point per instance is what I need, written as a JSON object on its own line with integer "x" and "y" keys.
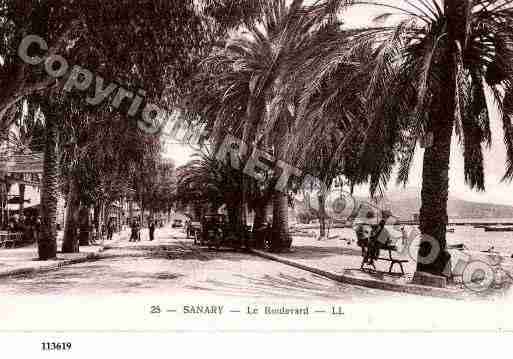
{"x": 429, "y": 76}
{"x": 209, "y": 182}
{"x": 334, "y": 154}
{"x": 329, "y": 137}
{"x": 255, "y": 79}
{"x": 100, "y": 155}
{"x": 47, "y": 244}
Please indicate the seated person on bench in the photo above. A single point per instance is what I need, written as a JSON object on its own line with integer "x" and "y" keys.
{"x": 363, "y": 234}
{"x": 380, "y": 237}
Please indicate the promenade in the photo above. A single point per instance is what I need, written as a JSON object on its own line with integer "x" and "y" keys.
{"x": 337, "y": 258}
{"x": 24, "y": 260}
{"x": 340, "y": 258}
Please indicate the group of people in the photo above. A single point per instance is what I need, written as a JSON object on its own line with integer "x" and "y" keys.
{"x": 135, "y": 233}
{"x": 29, "y": 226}
{"x": 111, "y": 228}
{"x": 98, "y": 232}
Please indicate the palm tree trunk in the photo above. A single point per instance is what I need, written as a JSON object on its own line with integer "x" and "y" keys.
{"x": 141, "y": 215}
{"x": 259, "y": 218}
{"x": 197, "y": 211}
{"x": 258, "y": 224}
{"x": 70, "y": 243}
{"x": 130, "y": 211}
{"x": 435, "y": 179}
{"x": 435, "y": 191}
{"x": 435, "y": 176}
{"x": 280, "y": 232}
{"x": 85, "y": 225}
{"x": 322, "y": 216}
{"x": 2, "y": 205}
{"x": 98, "y": 217}
{"x": 235, "y": 214}
{"x": 106, "y": 208}
{"x": 47, "y": 244}
{"x": 253, "y": 114}
{"x": 21, "y": 190}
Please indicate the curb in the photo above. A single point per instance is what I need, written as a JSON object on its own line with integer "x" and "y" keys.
{"x": 52, "y": 267}
{"x": 48, "y": 268}
{"x": 370, "y": 283}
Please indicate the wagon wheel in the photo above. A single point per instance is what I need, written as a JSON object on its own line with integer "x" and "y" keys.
{"x": 267, "y": 244}
{"x": 268, "y": 240}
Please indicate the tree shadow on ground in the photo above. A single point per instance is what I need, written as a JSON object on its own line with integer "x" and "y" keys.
{"x": 198, "y": 253}
{"x": 282, "y": 286}
{"x": 313, "y": 252}
{"x": 51, "y": 287}
{"x": 177, "y": 251}
{"x": 89, "y": 275}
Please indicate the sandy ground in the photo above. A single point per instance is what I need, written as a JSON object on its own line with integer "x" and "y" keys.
{"x": 123, "y": 290}
{"x": 172, "y": 265}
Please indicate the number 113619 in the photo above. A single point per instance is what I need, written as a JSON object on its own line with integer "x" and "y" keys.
{"x": 55, "y": 346}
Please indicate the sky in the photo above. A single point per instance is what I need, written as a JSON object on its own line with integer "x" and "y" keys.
{"x": 495, "y": 158}
{"x": 496, "y": 191}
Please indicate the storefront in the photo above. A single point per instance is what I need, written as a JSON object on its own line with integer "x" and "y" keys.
{"x": 20, "y": 185}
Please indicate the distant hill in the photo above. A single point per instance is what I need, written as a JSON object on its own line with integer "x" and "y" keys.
{"x": 406, "y": 202}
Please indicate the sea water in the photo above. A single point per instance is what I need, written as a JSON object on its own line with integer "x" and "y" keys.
{"x": 474, "y": 239}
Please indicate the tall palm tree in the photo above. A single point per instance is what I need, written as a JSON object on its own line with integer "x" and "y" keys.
{"x": 47, "y": 244}
{"x": 334, "y": 154}
{"x": 329, "y": 134}
{"x": 257, "y": 67}
{"x": 430, "y": 73}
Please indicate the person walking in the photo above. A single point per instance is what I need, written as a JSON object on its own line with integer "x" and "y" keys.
{"x": 110, "y": 229}
{"x": 151, "y": 229}
{"x": 95, "y": 235}
{"x": 133, "y": 231}
{"x": 37, "y": 228}
{"x": 138, "y": 231}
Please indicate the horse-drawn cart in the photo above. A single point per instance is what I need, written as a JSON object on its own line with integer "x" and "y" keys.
{"x": 215, "y": 231}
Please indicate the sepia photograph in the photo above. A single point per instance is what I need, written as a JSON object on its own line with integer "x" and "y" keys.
{"x": 262, "y": 166}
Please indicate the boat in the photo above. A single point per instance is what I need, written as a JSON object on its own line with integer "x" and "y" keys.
{"x": 459, "y": 246}
{"x": 498, "y": 229}
{"x": 490, "y": 250}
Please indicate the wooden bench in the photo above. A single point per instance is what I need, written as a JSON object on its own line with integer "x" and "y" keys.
{"x": 393, "y": 261}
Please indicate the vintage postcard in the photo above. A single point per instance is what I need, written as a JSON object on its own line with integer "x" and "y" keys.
{"x": 270, "y": 166}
